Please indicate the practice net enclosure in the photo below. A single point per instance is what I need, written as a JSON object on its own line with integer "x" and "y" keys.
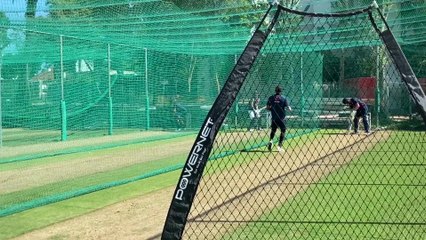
{"x": 341, "y": 173}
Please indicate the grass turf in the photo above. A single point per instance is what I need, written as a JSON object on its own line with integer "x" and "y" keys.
{"x": 380, "y": 195}
{"x": 331, "y": 189}
{"x": 20, "y": 223}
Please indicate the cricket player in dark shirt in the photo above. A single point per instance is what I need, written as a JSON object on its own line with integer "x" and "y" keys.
{"x": 361, "y": 109}
{"x": 277, "y": 104}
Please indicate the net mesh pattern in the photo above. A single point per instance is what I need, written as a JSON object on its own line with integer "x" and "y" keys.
{"x": 326, "y": 182}
{"x": 77, "y": 76}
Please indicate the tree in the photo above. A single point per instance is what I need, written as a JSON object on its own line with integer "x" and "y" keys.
{"x": 65, "y": 12}
{"x": 4, "y": 40}
{"x": 31, "y": 8}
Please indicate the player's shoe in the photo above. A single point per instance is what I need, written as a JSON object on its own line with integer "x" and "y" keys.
{"x": 280, "y": 148}
{"x": 270, "y": 146}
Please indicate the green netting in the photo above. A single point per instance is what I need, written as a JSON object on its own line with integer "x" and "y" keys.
{"x": 123, "y": 63}
{"x": 133, "y": 86}
{"x": 329, "y": 179}
{"x": 144, "y": 71}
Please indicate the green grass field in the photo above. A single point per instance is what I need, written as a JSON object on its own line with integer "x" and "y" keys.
{"x": 380, "y": 195}
{"x": 345, "y": 199}
{"x": 61, "y": 200}
{"x": 123, "y": 182}
{"x": 20, "y": 223}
